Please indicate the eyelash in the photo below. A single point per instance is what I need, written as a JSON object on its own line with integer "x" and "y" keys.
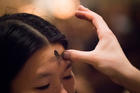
{"x": 43, "y": 87}
{"x": 67, "y": 77}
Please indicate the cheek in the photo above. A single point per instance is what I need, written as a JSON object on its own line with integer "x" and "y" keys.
{"x": 69, "y": 85}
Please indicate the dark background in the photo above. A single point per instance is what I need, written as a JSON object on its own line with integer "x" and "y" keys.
{"x": 123, "y": 17}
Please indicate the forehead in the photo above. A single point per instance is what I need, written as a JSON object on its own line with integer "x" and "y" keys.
{"x": 43, "y": 59}
{"x": 46, "y": 54}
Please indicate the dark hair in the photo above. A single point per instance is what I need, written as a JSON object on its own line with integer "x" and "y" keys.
{"x": 20, "y": 36}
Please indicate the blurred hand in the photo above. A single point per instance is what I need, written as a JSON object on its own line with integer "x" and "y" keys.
{"x": 108, "y": 56}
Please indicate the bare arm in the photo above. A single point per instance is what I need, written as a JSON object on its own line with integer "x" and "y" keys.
{"x": 108, "y": 56}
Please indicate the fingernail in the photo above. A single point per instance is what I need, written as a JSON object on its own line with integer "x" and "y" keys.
{"x": 66, "y": 55}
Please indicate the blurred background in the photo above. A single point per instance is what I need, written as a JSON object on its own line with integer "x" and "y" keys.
{"x": 122, "y": 16}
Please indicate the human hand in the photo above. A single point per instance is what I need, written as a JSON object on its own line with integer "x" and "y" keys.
{"x": 108, "y": 57}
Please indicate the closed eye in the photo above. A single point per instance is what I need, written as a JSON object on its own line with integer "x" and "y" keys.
{"x": 67, "y": 77}
{"x": 43, "y": 87}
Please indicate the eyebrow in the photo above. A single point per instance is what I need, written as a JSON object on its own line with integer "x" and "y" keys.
{"x": 45, "y": 74}
{"x": 42, "y": 75}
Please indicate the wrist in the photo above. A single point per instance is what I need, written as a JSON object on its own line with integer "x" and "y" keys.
{"x": 129, "y": 78}
{"x": 124, "y": 70}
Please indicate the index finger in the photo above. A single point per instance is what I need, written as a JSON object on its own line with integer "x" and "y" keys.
{"x": 97, "y": 20}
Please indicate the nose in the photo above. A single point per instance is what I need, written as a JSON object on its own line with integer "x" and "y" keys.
{"x": 63, "y": 90}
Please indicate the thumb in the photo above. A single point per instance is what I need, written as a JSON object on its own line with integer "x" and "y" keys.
{"x": 80, "y": 56}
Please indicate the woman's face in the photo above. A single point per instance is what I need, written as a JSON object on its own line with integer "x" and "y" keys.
{"x": 45, "y": 73}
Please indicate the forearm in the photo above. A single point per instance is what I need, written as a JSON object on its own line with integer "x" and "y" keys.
{"x": 108, "y": 56}
{"x": 130, "y": 79}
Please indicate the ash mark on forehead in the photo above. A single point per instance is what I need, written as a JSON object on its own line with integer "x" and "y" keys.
{"x": 59, "y": 56}
{"x": 56, "y": 53}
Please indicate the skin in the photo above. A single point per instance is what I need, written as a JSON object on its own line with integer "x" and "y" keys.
{"x": 108, "y": 56}
{"x": 44, "y": 73}
{"x": 27, "y": 6}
